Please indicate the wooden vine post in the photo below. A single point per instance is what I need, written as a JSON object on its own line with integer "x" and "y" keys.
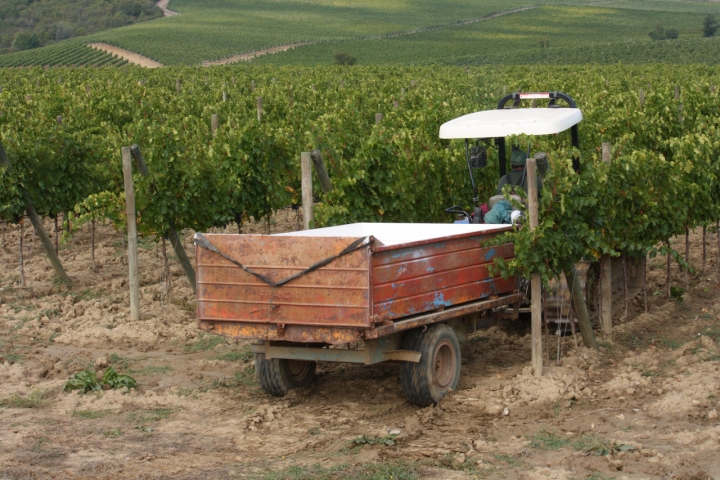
{"x": 38, "y": 225}
{"x": 378, "y": 118}
{"x": 259, "y": 108}
{"x": 214, "y": 123}
{"x": 307, "y": 195}
{"x": 606, "y": 276}
{"x": 131, "y": 234}
{"x": 535, "y": 280}
{"x": 22, "y": 260}
{"x": 172, "y": 232}
{"x": 321, "y": 171}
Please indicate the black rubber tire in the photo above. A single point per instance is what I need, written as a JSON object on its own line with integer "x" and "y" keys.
{"x": 428, "y": 381}
{"x": 278, "y": 376}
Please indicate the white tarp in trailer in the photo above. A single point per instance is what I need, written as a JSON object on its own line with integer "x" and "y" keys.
{"x": 396, "y": 233}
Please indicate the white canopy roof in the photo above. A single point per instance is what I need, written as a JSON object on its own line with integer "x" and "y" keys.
{"x": 516, "y": 121}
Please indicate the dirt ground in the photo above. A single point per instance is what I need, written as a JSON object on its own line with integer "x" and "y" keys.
{"x": 645, "y": 406}
{"x": 132, "y": 57}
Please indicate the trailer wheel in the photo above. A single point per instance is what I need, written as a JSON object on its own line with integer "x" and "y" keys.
{"x": 278, "y": 376}
{"x": 428, "y": 381}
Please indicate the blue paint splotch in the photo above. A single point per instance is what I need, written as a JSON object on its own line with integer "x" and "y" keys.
{"x": 429, "y": 269}
{"x": 439, "y": 301}
{"x": 490, "y": 254}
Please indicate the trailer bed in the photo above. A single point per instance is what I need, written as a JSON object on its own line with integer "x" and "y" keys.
{"x": 396, "y": 272}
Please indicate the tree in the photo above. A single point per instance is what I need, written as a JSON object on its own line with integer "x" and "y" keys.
{"x": 710, "y": 26}
{"x": 661, "y": 33}
{"x": 344, "y": 58}
{"x": 26, "y": 41}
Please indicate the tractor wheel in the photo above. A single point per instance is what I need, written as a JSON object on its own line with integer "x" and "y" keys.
{"x": 278, "y": 376}
{"x": 428, "y": 381}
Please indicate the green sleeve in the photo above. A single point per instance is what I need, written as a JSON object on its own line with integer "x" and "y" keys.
{"x": 501, "y": 184}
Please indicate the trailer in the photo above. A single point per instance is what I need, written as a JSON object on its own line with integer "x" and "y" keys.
{"x": 360, "y": 293}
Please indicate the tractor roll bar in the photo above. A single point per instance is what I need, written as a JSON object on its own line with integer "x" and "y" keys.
{"x": 517, "y": 97}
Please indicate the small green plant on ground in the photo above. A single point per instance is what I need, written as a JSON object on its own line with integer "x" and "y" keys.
{"x": 245, "y": 354}
{"x": 598, "y": 476}
{"x": 510, "y": 460}
{"x": 205, "y": 341}
{"x": 36, "y": 399}
{"x": 90, "y": 414}
{"x": 544, "y": 440}
{"x": 677, "y": 293}
{"x": 146, "y": 416}
{"x": 668, "y": 343}
{"x": 112, "y": 432}
{"x": 712, "y": 332}
{"x": 150, "y": 370}
{"x": 87, "y": 380}
{"x": 367, "y": 471}
{"x": 119, "y": 361}
{"x": 589, "y": 444}
{"x": 244, "y": 377}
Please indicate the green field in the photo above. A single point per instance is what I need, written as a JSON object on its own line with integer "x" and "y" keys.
{"x": 576, "y": 34}
{"x": 213, "y": 29}
{"x": 415, "y": 32}
{"x": 66, "y": 54}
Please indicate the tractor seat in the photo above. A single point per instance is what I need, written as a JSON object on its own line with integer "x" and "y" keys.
{"x": 495, "y": 199}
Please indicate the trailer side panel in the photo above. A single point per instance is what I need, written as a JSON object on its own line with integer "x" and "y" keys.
{"x": 411, "y": 280}
{"x": 336, "y": 295}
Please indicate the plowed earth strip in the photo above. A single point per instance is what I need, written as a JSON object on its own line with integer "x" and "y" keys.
{"x": 132, "y": 57}
{"x": 162, "y": 5}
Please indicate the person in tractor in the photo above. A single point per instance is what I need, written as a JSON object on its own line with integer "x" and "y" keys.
{"x": 502, "y": 210}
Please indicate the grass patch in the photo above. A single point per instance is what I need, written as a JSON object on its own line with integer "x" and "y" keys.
{"x": 609, "y": 349}
{"x": 119, "y": 361}
{"x": 90, "y": 294}
{"x": 544, "y": 440}
{"x": 90, "y": 414}
{"x": 245, "y": 354}
{"x": 147, "y": 416}
{"x": 478, "y": 339}
{"x": 368, "y": 471}
{"x": 244, "y": 377}
{"x": 629, "y": 340}
{"x": 511, "y": 461}
{"x": 667, "y": 343}
{"x": 712, "y": 332}
{"x": 590, "y": 444}
{"x": 598, "y": 476}
{"x": 112, "y": 432}
{"x": 205, "y": 341}
{"x": 151, "y": 370}
{"x": 185, "y": 392}
{"x": 36, "y": 399}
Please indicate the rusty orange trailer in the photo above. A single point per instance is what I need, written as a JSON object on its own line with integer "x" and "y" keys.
{"x": 361, "y": 293}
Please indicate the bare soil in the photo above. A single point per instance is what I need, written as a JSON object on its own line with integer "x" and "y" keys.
{"x": 244, "y": 57}
{"x": 645, "y": 406}
{"x": 162, "y": 5}
{"x": 132, "y": 57}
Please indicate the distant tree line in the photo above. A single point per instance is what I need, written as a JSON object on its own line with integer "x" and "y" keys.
{"x": 26, "y": 24}
{"x": 709, "y": 28}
